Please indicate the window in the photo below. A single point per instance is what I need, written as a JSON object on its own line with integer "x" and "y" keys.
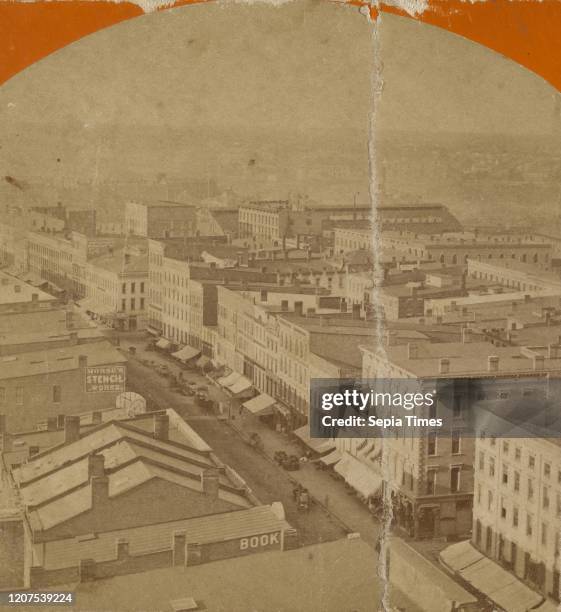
{"x": 545, "y": 498}
{"x": 133, "y": 287}
{"x": 455, "y": 478}
{"x": 2, "y": 395}
{"x": 515, "y": 516}
{"x": 142, "y": 287}
{"x": 530, "y": 488}
{"x": 529, "y": 525}
{"x": 481, "y": 461}
{"x": 517, "y": 453}
{"x": 489, "y": 500}
{"x": 456, "y": 443}
{"x": 133, "y": 304}
{"x": 505, "y": 447}
{"x": 457, "y": 406}
{"x": 544, "y": 534}
{"x": 19, "y": 395}
{"x": 491, "y": 466}
{"x": 124, "y": 288}
{"x": 431, "y": 482}
{"x": 531, "y": 462}
{"x": 517, "y": 481}
{"x": 57, "y": 393}
{"x": 431, "y": 444}
{"x": 505, "y": 475}
{"x": 141, "y": 303}
{"x": 503, "y": 509}
{"x": 123, "y": 305}
{"x": 547, "y": 469}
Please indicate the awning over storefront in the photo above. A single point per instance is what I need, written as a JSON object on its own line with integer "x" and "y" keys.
{"x": 163, "y": 343}
{"x": 488, "y": 577}
{"x": 359, "y": 476}
{"x": 228, "y": 380}
{"x": 318, "y": 445}
{"x": 240, "y": 386}
{"x": 186, "y": 353}
{"x": 260, "y": 405}
{"x": 203, "y": 362}
{"x": 331, "y": 458}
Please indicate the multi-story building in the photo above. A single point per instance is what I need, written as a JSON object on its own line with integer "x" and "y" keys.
{"x": 517, "y": 507}
{"x": 18, "y": 296}
{"x": 116, "y": 288}
{"x": 43, "y": 383}
{"x": 264, "y": 221}
{"x": 161, "y": 219}
{"x": 518, "y": 275}
{"x": 457, "y": 248}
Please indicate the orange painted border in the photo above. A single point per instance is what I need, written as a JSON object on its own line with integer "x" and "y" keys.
{"x": 527, "y": 31}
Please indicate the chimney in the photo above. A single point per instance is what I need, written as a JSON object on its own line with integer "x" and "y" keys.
{"x": 161, "y": 426}
{"x": 69, "y": 319}
{"x": 82, "y": 361}
{"x": 299, "y": 308}
{"x": 52, "y": 423}
{"x": 466, "y": 334}
{"x": 210, "y": 482}
{"x": 71, "y": 429}
{"x": 100, "y": 489}
{"x": 444, "y": 366}
{"x": 34, "y": 297}
{"x": 412, "y": 351}
{"x": 96, "y": 465}
{"x": 492, "y": 363}
{"x": 539, "y": 362}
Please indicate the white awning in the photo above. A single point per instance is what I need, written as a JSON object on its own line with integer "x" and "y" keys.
{"x": 228, "y": 380}
{"x": 261, "y": 405}
{"x": 331, "y": 458}
{"x": 186, "y": 353}
{"x": 319, "y": 445}
{"x": 163, "y": 343}
{"x": 359, "y": 476}
{"x": 241, "y": 385}
{"x": 488, "y": 577}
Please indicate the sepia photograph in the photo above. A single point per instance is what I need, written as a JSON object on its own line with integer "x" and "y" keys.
{"x": 280, "y": 317}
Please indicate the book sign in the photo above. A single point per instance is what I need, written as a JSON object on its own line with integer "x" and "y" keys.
{"x": 105, "y": 378}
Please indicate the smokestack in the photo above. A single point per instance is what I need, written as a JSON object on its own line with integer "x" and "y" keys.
{"x": 444, "y": 366}
{"x": 71, "y": 429}
{"x": 492, "y": 363}
{"x": 96, "y": 466}
{"x": 82, "y": 361}
{"x": 412, "y": 351}
{"x": 161, "y": 426}
{"x": 210, "y": 482}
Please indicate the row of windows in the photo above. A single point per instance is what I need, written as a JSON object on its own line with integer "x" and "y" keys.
{"x": 56, "y": 395}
